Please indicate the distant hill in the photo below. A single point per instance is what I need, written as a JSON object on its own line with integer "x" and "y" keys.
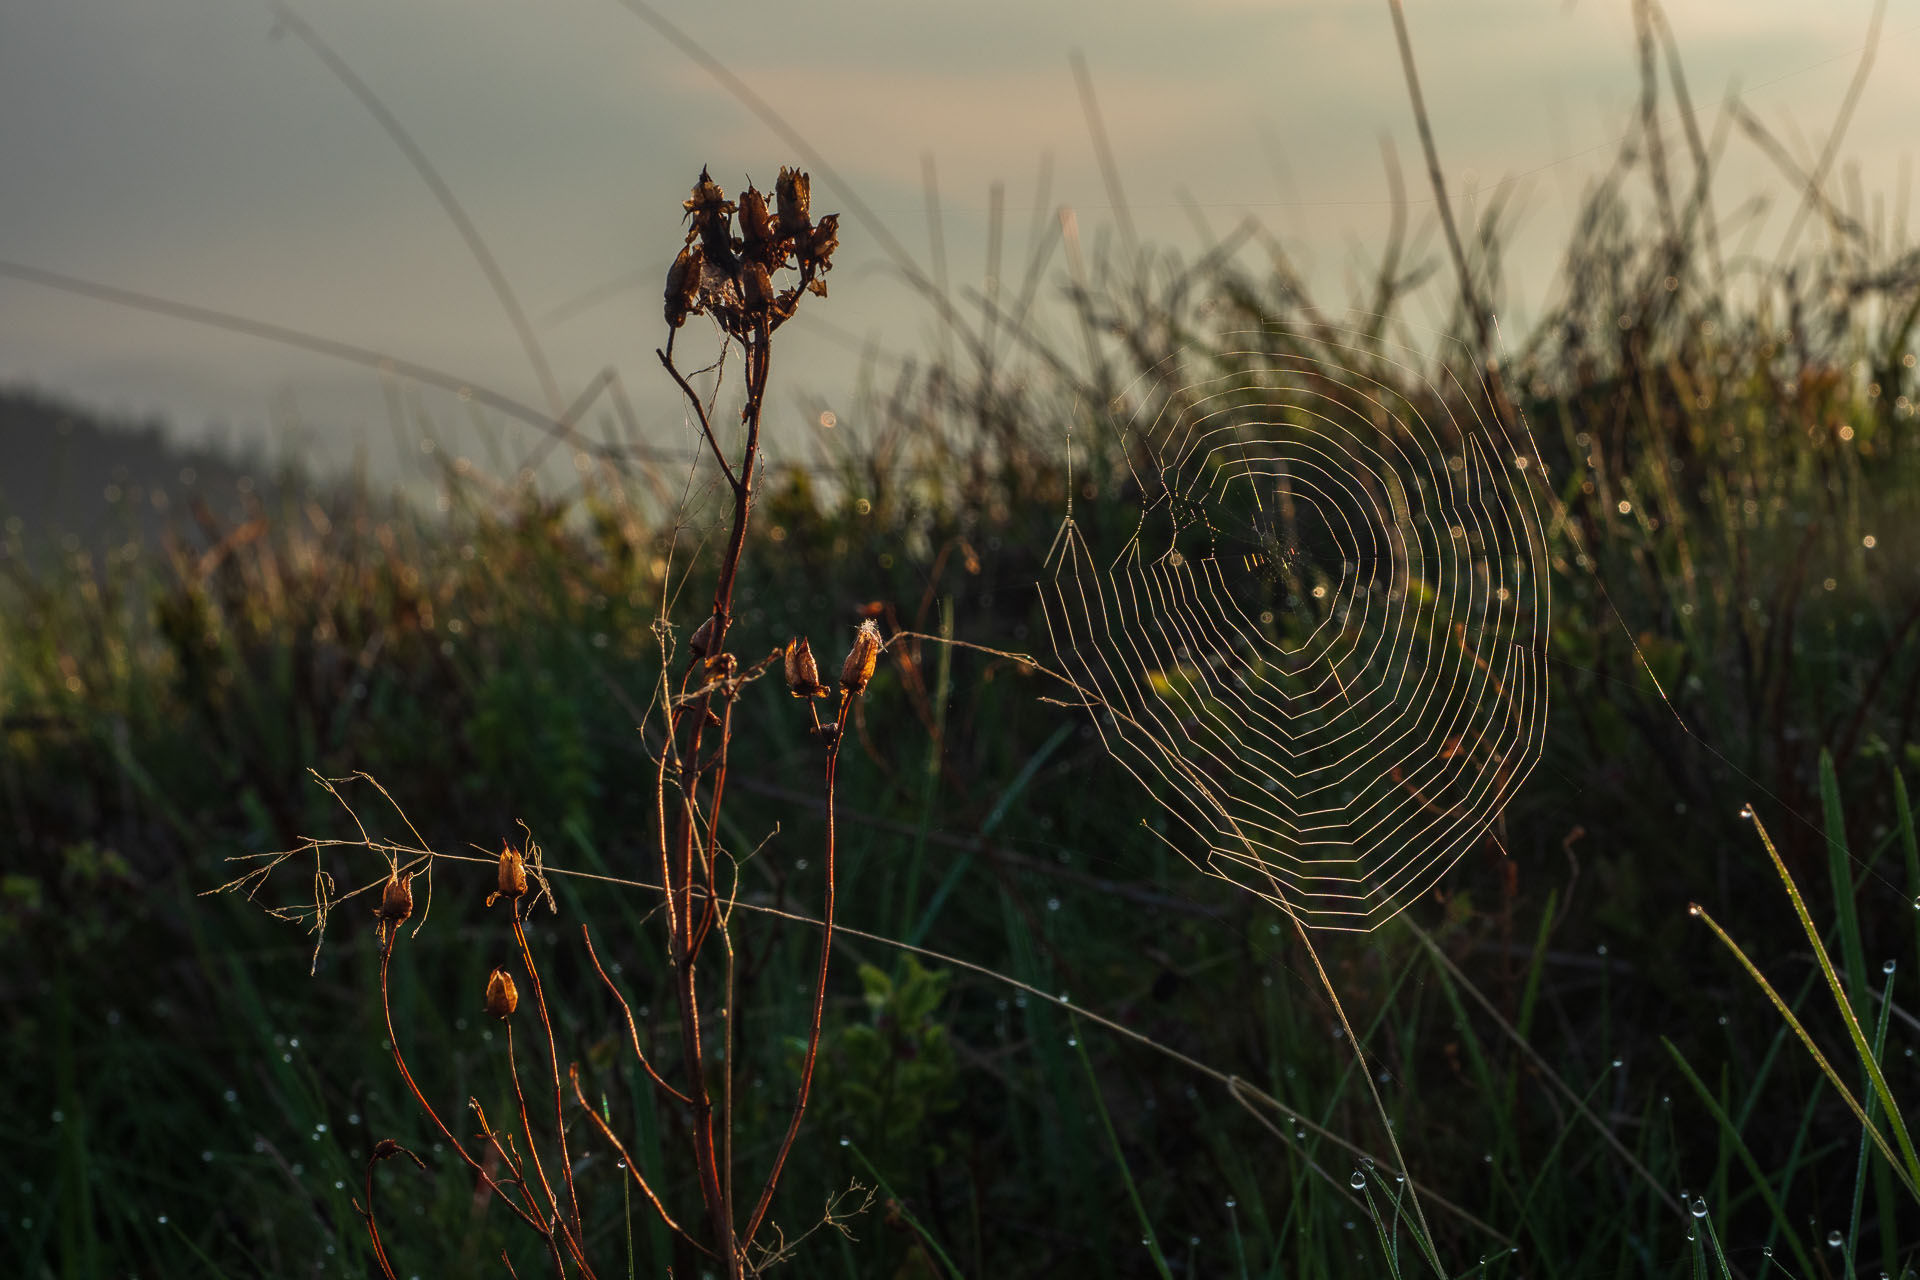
{"x": 68, "y": 473}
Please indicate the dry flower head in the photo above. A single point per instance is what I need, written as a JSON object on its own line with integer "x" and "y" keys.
{"x": 502, "y": 996}
{"x": 861, "y": 659}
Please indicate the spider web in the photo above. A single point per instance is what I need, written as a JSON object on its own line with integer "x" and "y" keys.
{"x": 1323, "y": 644}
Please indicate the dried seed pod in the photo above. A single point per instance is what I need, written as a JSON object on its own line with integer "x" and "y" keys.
{"x": 711, "y": 213}
{"x": 396, "y": 900}
{"x": 702, "y": 638}
{"x": 794, "y": 191}
{"x": 513, "y": 875}
{"x": 386, "y": 1149}
{"x": 756, "y": 225}
{"x": 756, "y": 286}
{"x": 861, "y": 659}
{"x": 683, "y": 285}
{"x": 502, "y": 997}
{"x": 803, "y": 673}
{"x": 824, "y": 240}
{"x": 708, "y": 202}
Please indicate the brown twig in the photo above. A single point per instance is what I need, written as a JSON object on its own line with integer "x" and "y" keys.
{"x": 393, "y": 1039}
{"x": 626, "y": 1162}
{"x": 633, "y": 1028}
{"x": 526, "y": 1127}
{"x": 820, "y": 987}
{"x": 553, "y": 1059}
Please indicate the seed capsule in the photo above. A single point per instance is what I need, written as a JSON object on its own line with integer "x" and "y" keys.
{"x": 803, "y": 673}
{"x": 861, "y": 659}
{"x": 794, "y": 191}
{"x": 756, "y": 224}
{"x": 513, "y": 875}
{"x": 683, "y": 285}
{"x": 702, "y": 638}
{"x": 824, "y": 240}
{"x": 756, "y": 286}
{"x": 396, "y": 900}
{"x": 502, "y": 997}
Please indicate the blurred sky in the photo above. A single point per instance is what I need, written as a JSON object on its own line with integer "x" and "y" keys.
{"x": 184, "y": 150}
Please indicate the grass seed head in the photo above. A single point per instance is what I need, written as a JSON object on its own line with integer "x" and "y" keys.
{"x": 861, "y": 659}
{"x": 502, "y": 996}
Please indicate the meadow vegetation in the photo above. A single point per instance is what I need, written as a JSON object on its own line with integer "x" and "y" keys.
{"x": 1098, "y": 1061}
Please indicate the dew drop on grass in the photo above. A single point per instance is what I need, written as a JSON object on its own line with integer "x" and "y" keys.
{"x": 1358, "y": 1181}
{"x": 1833, "y": 1240}
{"x": 846, "y": 1141}
{"x": 1888, "y": 968}
{"x": 1699, "y": 1207}
{"x": 1618, "y": 1063}
{"x": 1231, "y": 1202}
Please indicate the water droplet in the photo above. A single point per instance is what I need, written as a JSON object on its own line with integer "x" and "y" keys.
{"x": 1746, "y": 813}
{"x": 1358, "y": 1180}
{"x": 1766, "y": 1251}
{"x": 1053, "y": 904}
{"x": 1231, "y": 1202}
{"x": 1618, "y": 1063}
{"x": 1833, "y": 1240}
{"x": 619, "y": 1164}
{"x": 1699, "y": 1207}
{"x": 846, "y": 1141}
{"x": 1399, "y": 1177}
{"x": 1888, "y": 968}
{"x": 1072, "y": 1041}
{"x": 163, "y": 1219}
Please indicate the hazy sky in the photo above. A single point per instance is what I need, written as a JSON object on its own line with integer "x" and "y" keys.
{"x": 181, "y": 149}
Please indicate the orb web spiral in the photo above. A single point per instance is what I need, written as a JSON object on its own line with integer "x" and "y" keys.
{"x": 1322, "y": 644}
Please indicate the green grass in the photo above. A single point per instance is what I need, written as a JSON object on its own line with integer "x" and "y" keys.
{"x": 1583, "y": 1080}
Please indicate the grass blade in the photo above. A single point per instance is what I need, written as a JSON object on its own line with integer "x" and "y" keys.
{"x": 1820, "y": 1059}
{"x": 1854, "y": 1031}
